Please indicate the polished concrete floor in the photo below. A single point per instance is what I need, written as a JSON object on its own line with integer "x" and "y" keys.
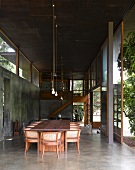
{"x": 96, "y": 154}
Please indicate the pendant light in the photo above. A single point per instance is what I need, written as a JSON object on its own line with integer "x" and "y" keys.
{"x": 56, "y": 94}
{"x": 61, "y": 79}
{"x": 53, "y": 73}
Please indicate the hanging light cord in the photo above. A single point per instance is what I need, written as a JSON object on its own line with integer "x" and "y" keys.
{"x": 56, "y": 94}
{"x": 53, "y": 91}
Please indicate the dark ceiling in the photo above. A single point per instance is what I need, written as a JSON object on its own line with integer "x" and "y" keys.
{"x": 82, "y": 29}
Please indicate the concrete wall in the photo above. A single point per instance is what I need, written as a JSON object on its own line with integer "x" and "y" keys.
{"x": 21, "y": 101}
{"x": 45, "y": 110}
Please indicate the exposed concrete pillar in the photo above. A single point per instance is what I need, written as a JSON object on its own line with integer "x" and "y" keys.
{"x": 110, "y": 82}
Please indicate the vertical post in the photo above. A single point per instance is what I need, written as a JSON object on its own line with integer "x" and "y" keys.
{"x": 17, "y": 61}
{"x": 40, "y": 86}
{"x": 110, "y": 83}
{"x": 91, "y": 107}
{"x": 122, "y": 55}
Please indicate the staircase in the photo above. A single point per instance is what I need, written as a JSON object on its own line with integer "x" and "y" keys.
{"x": 60, "y": 108}
{"x": 63, "y": 106}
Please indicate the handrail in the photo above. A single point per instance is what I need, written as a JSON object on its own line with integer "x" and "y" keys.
{"x": 58, "y": 103}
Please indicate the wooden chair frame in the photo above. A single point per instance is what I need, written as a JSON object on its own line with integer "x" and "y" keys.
{"x": 31, "y": 137}
{"x": 72, "y": 135}
{"x": 50, "y": 139}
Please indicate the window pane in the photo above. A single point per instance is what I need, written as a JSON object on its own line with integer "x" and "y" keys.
{"x": 78, "y": 87}
{"x": 24, "y": 67}
{"x": 35, "y": 76}
{"x": 7, "y": 56}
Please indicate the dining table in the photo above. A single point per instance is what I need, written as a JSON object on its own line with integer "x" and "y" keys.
{"x": 53, "y": 126}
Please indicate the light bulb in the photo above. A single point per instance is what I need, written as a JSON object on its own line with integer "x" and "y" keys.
{"x": 53, "y": 91}
{"x": 56, "y": 94}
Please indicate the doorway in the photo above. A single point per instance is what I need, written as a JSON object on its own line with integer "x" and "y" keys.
{"x": 78, "y": 112}
{"x": 97, "y": 108}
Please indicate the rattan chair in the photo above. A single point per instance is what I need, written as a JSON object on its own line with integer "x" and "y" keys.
{"x": 31, "y": 137}
{"x": 72, "y": 135}
{"x": 50, "y": 139}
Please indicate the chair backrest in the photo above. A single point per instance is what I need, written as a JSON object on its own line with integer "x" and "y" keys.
{"x": 31, "y": 134}
{"x": 74, "y": 126}
{"x": 27, "y": 128}
{"x": 30, "y": 126}
{"x": 74, "y": 123}
{"x": 74, "y": 133}
{"x": 34, "y": 123}
{"x": 50, "y": 136}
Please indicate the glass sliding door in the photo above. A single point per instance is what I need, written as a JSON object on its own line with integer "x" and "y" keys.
{"x": 97, "y": 108}
{"x": 118, "y": 86}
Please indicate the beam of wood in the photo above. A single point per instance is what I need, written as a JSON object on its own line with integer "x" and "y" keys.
{"x": 79, "y": 98}
{"x": 60, "y": 109}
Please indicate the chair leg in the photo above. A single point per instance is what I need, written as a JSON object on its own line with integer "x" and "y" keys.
{"x": 57, "y": 151}
{"x": 66, "y": 147}
{"x": 27, "y": 145}
{"x": 25, "y": 148}
{"x": 78, "y": 148}
{"x": 60, "y": 146}
{"x": 38, "y": 148}
{"x": 43, "y": 148}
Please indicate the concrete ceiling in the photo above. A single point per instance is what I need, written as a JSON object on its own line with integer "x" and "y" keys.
{"x": 82, "y": 29}
{"x": 129, "y": 22}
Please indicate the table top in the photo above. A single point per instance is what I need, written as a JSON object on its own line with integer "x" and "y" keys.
{"x": 52, "y": 125}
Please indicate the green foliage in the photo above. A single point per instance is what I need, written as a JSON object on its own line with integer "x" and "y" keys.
{"x": 129, "y": 83}
{"x": 133, "y": 138}
{"x": 129, "y": 101}
{"x": 129, "y": 53}
{"x": 4, "y": 47}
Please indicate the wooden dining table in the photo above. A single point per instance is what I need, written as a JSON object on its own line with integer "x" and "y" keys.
{"x": 53, "y": 126}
